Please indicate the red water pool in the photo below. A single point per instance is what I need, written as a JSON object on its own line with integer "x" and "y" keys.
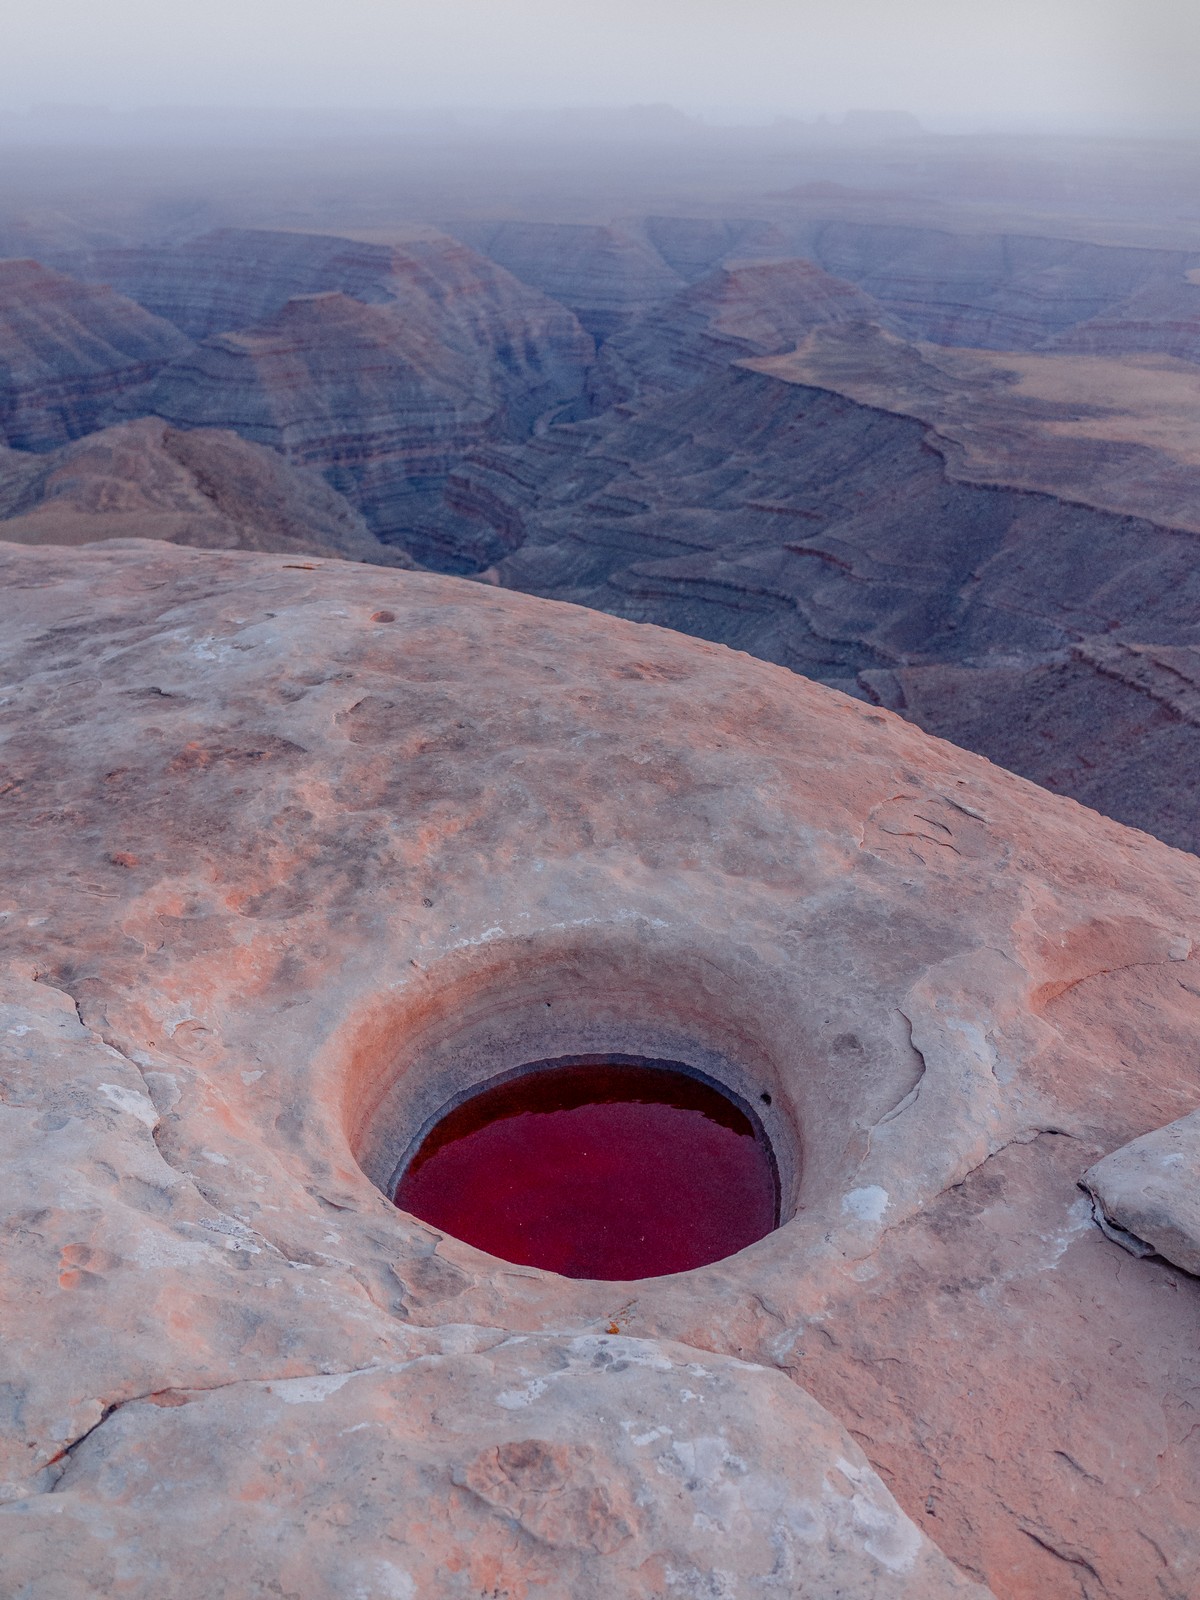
{"x": 610, "y": 1171}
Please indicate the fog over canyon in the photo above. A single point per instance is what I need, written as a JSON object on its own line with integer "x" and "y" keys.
{"x": 600, "y": 764}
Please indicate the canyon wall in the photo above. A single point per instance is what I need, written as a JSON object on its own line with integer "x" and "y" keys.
{"x": 992, "y": 289}
{"x": 68, "y": 352}
{"x": 744, "y": 309}
{"x": 607, "y": 275}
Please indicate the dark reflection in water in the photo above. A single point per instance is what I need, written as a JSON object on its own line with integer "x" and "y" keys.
{"x": 610, "y": 1171}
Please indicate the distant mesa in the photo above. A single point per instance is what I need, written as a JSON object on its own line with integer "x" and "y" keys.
{"x": 825, "y": 189}
{"x": 857, "y": 127}
{"x": 886, "y": 124}
{"x": 744, "y": 308}
{"x": 607, "y": 275}
{"x": 69, "y": 351}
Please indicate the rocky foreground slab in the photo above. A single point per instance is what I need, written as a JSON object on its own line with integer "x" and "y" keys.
{"x": 1149, "y": 1193}
{"x": 295, "y": 852}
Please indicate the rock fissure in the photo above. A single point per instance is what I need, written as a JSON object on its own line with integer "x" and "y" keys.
{"x": 182, "y": 1394}
{"x": 1071, "y": 1557}
{"x": 1026, "y": 1136}
{"x": 1128, "y": 1241}
{"x": 1105, "y": 972}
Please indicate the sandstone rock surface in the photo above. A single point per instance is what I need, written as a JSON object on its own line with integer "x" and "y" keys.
{"x": 205, "y": 487}
{"x": 68, "y": 352}
{"x": 1150, "y": 1191}
{"x": 293, "y": 856}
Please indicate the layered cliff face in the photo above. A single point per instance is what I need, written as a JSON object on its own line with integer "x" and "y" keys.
{"x": 68, "y": 352}
{"x": 1115, "y": 432}
{"x": 986, "y": 288}
{"x": 528, "y": 353}
{"x": 608, "y": 276}
{"x": 1163, "y": 319}
{"x": 355, "y": 391}
{"x": 204, "y": 487}
{"x": 234, "y": 277}
{"x": 695, "y": 246}
{"x": 292, "y": 857}
{"x": 999, "y": 291}
{"x": 744, "y": 309}
{"x": 383, "y": 398}
{"x": 832, "y": 538}
{"x": 521, "y": 342}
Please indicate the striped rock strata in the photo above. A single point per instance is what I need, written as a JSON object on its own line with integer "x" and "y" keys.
{"x": 384, "y": 375}
{"x": 68, "y": 352}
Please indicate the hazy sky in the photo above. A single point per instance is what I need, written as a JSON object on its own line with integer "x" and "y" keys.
{"x": 1046, "y": 62}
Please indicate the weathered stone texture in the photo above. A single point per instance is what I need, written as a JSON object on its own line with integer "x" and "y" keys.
{"x": 1149, "y": 1190}
{"x": 294, "y": 852}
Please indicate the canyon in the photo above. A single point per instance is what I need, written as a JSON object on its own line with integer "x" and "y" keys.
{"x": 981, "y": 517}
{"x": 791, "y": 522}
{"x": 720, "y": 601}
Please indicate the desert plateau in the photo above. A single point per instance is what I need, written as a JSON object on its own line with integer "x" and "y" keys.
{"x": 600, "y": 810}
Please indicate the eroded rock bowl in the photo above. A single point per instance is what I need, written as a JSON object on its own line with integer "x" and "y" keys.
{"x": 597, "y": 1168}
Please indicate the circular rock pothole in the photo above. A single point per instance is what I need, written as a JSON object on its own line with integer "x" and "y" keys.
{"x": 597, "y": 1168}
{"x": 579, "y": 1106}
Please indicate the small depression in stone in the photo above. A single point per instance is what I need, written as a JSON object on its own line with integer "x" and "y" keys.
{"x": 611, "y": 1171}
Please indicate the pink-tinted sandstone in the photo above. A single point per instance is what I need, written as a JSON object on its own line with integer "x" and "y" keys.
{"x": 296, "y": 852}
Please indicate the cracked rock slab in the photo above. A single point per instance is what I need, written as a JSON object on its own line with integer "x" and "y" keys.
{"x": 1149, "y": 1191}
{"x": 544, "y": 1465}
